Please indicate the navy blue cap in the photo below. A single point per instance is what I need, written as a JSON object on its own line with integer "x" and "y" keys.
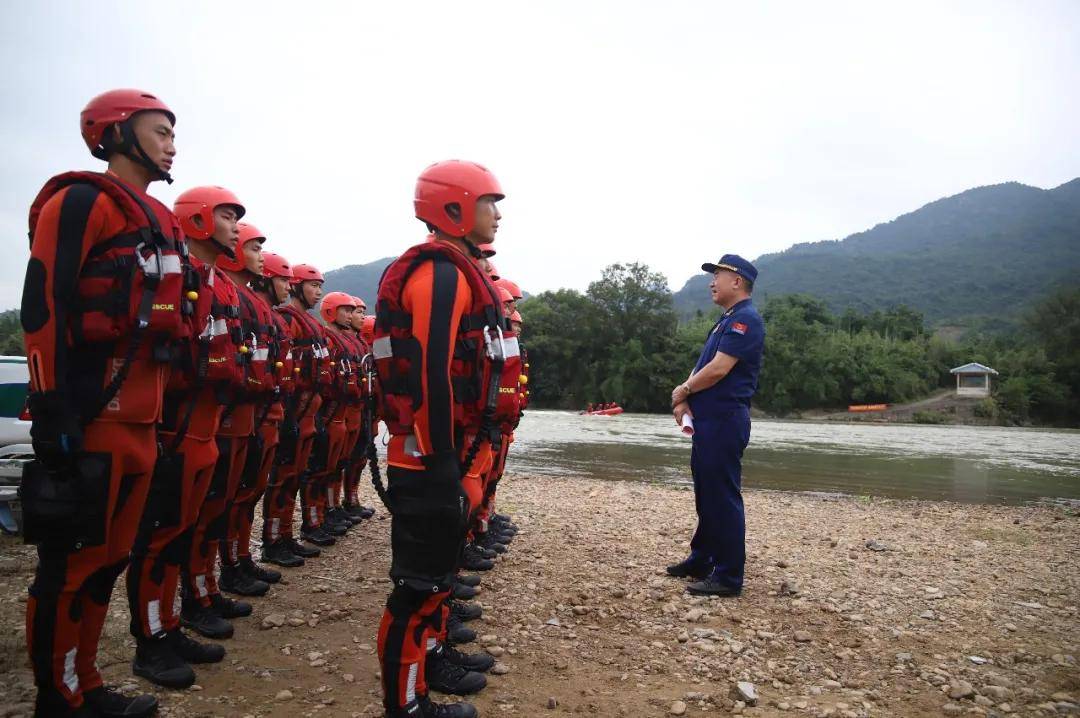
{"x": 733, "y": 263}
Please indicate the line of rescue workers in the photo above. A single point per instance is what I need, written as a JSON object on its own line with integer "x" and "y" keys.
{"x": 179, "y": 380}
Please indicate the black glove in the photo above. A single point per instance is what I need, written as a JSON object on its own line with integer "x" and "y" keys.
{"x": 56, "y": 431}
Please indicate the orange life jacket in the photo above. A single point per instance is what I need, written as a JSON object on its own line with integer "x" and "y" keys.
{"x": 486, "y": 364}
{"x": 136, "y": 278}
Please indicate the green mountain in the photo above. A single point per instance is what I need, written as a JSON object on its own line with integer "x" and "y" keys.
{"x": 986, "y": 252}
{"x": 359, "y": 280}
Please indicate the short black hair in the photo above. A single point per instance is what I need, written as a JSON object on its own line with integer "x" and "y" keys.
{"x": 748, "y": 284}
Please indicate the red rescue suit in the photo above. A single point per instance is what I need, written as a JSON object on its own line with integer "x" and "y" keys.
{"x": 95, "y": 242}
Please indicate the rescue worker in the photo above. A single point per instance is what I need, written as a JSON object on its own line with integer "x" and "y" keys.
{"x": 312, "y": 372}
{"x": 102, "y": 305}
{"x": 279, "y": 548}
{"x": 336, "y": 311}
{"x": 438, "y": 331}
{"x": 717, "y": 395}
{"x": 248, "y": 422}
{"x": 363, "y": 328}
{"x": 208, "y": 216}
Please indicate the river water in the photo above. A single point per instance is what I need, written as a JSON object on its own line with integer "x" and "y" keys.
{"x": 957, "y": 463}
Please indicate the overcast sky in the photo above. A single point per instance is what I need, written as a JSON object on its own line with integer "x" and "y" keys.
{"x": 668, "y": 133}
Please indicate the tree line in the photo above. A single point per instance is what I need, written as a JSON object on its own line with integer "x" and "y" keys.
{"x": 621, "y": 341}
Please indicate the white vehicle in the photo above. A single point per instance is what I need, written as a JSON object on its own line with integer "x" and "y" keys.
{"x": 14, "y": 438}
{"x": 14, "y": 383}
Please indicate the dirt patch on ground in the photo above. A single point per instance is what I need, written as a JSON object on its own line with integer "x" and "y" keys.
{"x": 852, "y": 608}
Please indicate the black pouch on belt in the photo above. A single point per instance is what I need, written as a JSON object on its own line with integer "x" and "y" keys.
{"x": 64, "y": 507}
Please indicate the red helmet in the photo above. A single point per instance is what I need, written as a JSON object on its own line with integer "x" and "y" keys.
{"x": 359, "y": 303}
{"x": 201, "y": 202}
{"x": 367, "y": 329}
{"x": 274, "y": 265}
{"x": 111, "y": 107}
{"x": 504, "y": 296}
{"x": 515, "y": 317}
{"x": 453, "y": 182}
{"x": 515, "y": 290}
{"x": 493, "y": 273}
{"x": 331, "y": 303}
{"x": 305, "y": 272}
{"x": 487, "y": 251}
{"x": 248, "y": 233}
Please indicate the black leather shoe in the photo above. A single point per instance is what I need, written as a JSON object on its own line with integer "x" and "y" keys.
{"x": 204, "y": 621}
{"x": 156, "y": 662}
{"x": 690, "y": 568}
{"x": 458, "y": 633}
{"x": 425, "y": 708}
{"x": 334, "y": 528}
{"x": 266, "y": 575}
{"x": 229, "y": 607}
{"x": 279, "y": 553}
{"x": 466, "y": 611}
{"x": 468, "y": 579}
{"x": 192, "y": 651}
{"x": 446, "y": 677}
{"x": 234, "y": 580}
{"x": 710, "y": 586}
{"x": 111, "y": 703}
{"x": 479, "y": 662}
{"x": 462, "y": 592}
{"x": 301, "y": 550}
{"x": 318, "y": 536}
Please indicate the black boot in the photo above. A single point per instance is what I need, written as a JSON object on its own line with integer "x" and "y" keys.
{"x": 424, "y": 708}
{"x": 266, "y": 575}
{"x": 192, "y": 651}
{"x": 474, "y": 561}
{"x": 480, "y": 662}
{"x": 446, "y": 677}
{"x": 235, "y": 580}
{"x": 51, "y": 703}
{"x": 491, "y": 543}
{"x": 279, "y": 553}
{"x": 229, "y": 607}
{"x": 468, "y": 579}
{"x": 301, "y": 550}
{"x": 317, "y": 535}
{"x": 458, "y": 633}
{"x": 111, "y": 703}
{"x": 462, "y": 592}
{"x": 204, "y": 620}
{"x": 484, "y": 552}
{"x": 156, "y": 662}
{"x": 335, "y": 527}
{"x": 466, "y": 611}
{"x": 341, "y": 515}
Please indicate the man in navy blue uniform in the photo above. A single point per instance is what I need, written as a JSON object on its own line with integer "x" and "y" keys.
{"x": 717, "y": 395}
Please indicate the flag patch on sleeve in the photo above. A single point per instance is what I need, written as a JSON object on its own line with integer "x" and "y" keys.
{"x": 738, "y": 328}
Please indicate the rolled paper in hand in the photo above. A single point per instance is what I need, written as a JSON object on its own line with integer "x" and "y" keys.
{"x": 688, "y": 425}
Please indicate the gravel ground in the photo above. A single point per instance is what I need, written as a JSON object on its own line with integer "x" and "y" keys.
{"x": 852, "y": 607}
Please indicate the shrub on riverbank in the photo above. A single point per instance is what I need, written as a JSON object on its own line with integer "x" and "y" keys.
{"x": 621, "y": 341}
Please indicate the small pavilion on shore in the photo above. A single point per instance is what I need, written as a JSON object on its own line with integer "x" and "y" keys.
{"x": 973, "y": 379}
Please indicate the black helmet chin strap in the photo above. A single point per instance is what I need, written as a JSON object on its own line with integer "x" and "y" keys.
{"x": 221, "y": 247}
{"x": 134, "y": 150}
{"x": 297, "y": 290}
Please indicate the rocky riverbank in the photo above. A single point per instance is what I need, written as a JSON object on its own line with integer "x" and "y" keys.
{"x": 852, "y": 608}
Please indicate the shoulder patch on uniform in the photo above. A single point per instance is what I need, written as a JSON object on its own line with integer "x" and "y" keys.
{"x": 739, "y": 327}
